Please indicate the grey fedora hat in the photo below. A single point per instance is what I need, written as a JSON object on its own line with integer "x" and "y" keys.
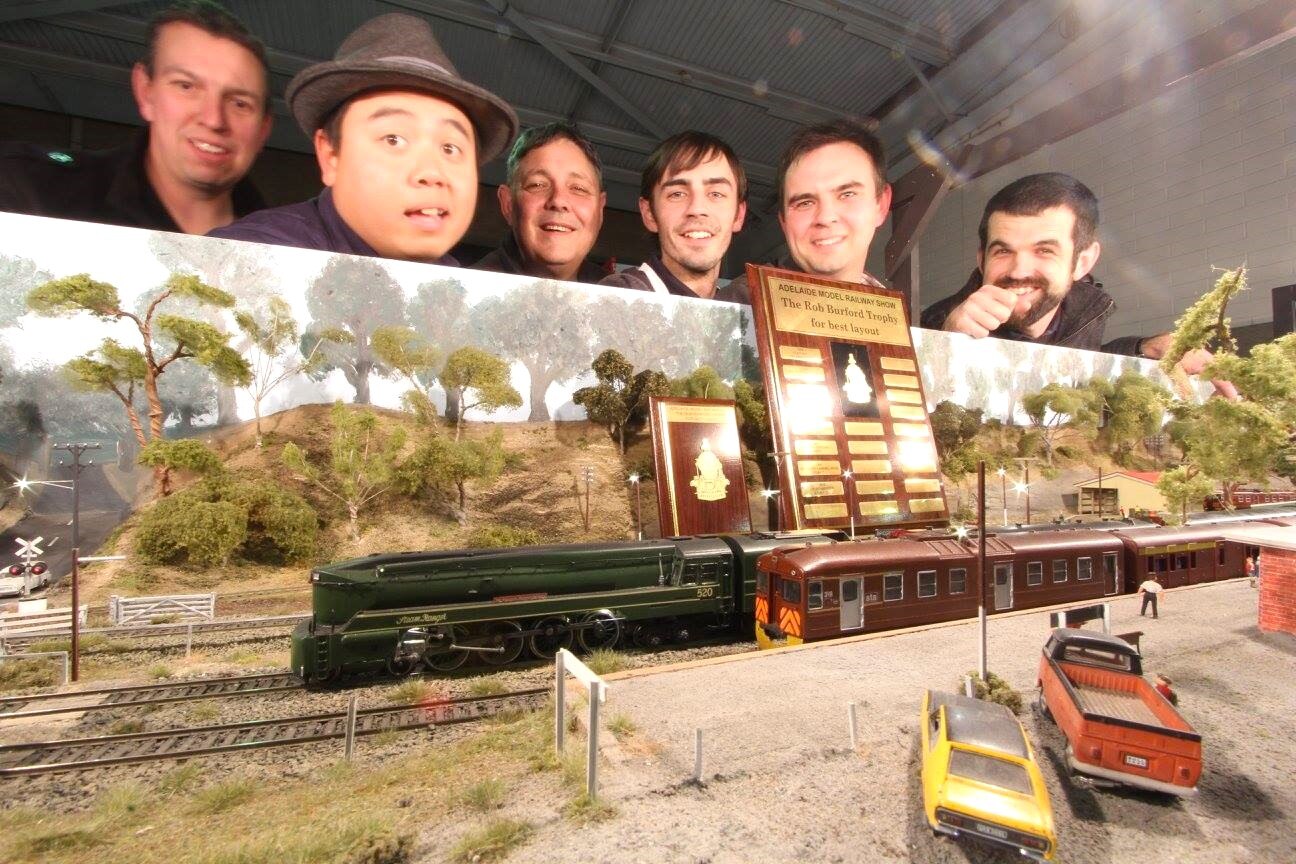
{"x": 400, "y": 52}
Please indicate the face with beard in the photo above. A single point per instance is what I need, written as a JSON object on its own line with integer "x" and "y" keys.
{"x": 1035, "y": 258}
{"x": 694, "y": 214}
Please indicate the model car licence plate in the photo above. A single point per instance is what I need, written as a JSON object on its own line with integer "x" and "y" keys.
{"x": 991, "y": 831}
{"x": 1136, "y": 761}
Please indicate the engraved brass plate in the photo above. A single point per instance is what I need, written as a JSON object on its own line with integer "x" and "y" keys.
{"x": 908, "y": 412}
{"x": 911, "y": 430}
{"x": 867, "y": 448}
{"x": 818, "y": 467}
{"x": 803, "y": 373}
{"x": 856, "y": 428}
{"x": 826, "y": 511}
{"x": 812, "y": 426}
{"x": 878, "y": 508}
{"x": 874, "y": 487}
{"x": 813, "y": 447}
{"x": 926, "y": 505}
{"x": 903, "y": 397}
{"x": 823, "y": 489}
{"x": 871, "y": 466}
{"x": 799, "y": 354}
{"x": 898, "y": 364}
{"x": 892, "y": 380}
{"x": 921, "y": 485}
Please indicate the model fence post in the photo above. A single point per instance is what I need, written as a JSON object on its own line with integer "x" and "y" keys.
{"x": 350, "y": 727}
{"x": 697, "y": 756}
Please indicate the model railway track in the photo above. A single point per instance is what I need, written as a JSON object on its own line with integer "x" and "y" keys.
{"x": 286, "y": 622}
{"x": 146, "y": 694}
{"x": 47, "y": 757}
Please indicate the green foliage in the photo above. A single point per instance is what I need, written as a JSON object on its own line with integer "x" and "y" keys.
{"x": 493, "y": 842}
{"x": 501, "y": 536}
{"x": 605, "y": 661}
{"x": 440, "y": 464}
{"x": 1029, "y": 443}
{"x": 1267, "y": 376}
{"x": 181, "y": 530}
{"x": 223, "y": 796}
{"x": 703, "y": 383}
{"x": 1135, "y": 408}
{"x": 586, "y": 810}
{"x": 1183, "y": 487}
{"x": 1056, "y": 407}
{"x": 622, "y": 726}
{"x": 75, "y": 294}
{"x": 18, "y": 675}
{"x": 995, "y": 689}
{"x": 207, "y": 346}
{"x": 362, "y": 461}
{"x": 1235, "y": 442}
{"x": 485, "y": 376}
{"x": 954, "y": 427}
{"x": 407, "y": 355}
{"x": 111, "y": 367}
{"x": 620, "y": 399}
{"x": 186, "y": 454}
{"x": 484, "y": 796}
{"x": 274, "y": 336}
{"x": 1204, "y": 324}
{"x": 281, "y": 526}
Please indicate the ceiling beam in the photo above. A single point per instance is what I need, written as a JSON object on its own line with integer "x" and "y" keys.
{"x": 21, "y": 11}
{"x": 563, "y": 56}
{"x": 876, "y": 25}
{"x": 609, "y": 39}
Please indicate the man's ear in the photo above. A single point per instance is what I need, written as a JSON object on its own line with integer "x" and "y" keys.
{"x": 1085, "y": 261}
{"x": 884, "y": 205}
{"x": 504, "y": 195}
{"x": 981, "y": 261}
{"x": 646, "y": 214}
{"x": 327, "y": 157}
{"x": 140, "y": 82}
{"x": 740, "y": 217}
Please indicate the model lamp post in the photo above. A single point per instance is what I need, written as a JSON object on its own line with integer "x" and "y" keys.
{"x": 768, "y": 495}
{"x": 634, "y": 480}
{"x": 1019, "y": 488}
{"x": 1003, "y": 491}
{"x": 588, "y": 474}
{"x": 850, "y": 506}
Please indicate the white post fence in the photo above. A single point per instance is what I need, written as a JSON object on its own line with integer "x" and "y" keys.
{"x": 183, "y": 607}
{"x": 566, "y": 663}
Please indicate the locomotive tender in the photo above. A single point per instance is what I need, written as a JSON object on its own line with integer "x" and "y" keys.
{"x": 396, "y": 612}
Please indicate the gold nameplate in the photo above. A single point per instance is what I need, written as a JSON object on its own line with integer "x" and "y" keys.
{"x": 871, "y": 466}
{"x": 812, "y": 426}
{"x": 878, "y": 508}
{"x": 823, "y": 489}
{"x": 836, "y": 313}
{"x": 867, "y": 448}
{"x": 799, "y": 354}
{"x": 926, "y": 505}
{"x": 803, "y": 373}
{"x": 908, "y": 412}
{"x": 891, "y": 380}
{"x": 899, "y": 364}
{"x": 853, "y": 428}
{"x": 915, "y": 456}
{"x": 695, "y": 413}
{"x": 809, "y": 400}
{"x": 904, "y": 397}
{"x": 874, "y": 487}
{"x": 812, "y": 447}
{"x": 921, "y": 485}
{"x": 817, "y": 467}
{"x": 911, "y": 430}
{"x": 826, "y": 511}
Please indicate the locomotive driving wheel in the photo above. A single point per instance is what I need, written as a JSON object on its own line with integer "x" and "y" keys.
{"x": 549, "y": 635}
{"x": 506, "y": 635}
{"x": 451, "y": 660}
{"x": 599, "y": 631}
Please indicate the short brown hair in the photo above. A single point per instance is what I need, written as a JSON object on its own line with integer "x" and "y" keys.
{"x": 538, "y": 136}
{"x": 683, "y": 152}
{"x": 812, "y": 138}
{"x": 210, "y": 17}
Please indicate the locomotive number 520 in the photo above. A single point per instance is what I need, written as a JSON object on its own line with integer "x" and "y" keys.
{"x": 706, "y": 591}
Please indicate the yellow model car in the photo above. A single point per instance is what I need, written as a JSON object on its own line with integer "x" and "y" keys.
{"x": 979, "y": 776}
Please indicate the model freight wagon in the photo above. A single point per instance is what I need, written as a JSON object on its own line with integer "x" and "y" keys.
{"x": 1118, "y": 727}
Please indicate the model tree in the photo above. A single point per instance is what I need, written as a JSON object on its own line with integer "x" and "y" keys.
{"x": 362, "y": 462}
{"x": 620, "y": 399}
{"x": 348, "y": 301}
{"x": 1134, "y": 407}
{"x": 442, "y": 465}
{"x": 439, "y": 313}
{"x": 1057, "y": 408}
{"x": 479, "y": 380}
{"x": 407, "y": 355}
{"x": 18, "y": 276}
{"x": 274, "y": 336}
{"x": 1182, "y": 486}
{"x": 120, "y": 369}
{"x": 702, "y": 383}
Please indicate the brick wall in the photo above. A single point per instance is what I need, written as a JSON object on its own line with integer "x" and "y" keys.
{"x": 1203, "y": 176}
{"x": 1278, "y": 590}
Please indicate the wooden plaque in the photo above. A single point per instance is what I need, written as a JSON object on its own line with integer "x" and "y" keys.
{"x": 845, "y": 395}
{"x": 701, "y": 486}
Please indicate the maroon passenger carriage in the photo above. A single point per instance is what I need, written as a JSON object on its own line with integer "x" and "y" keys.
{"x": 1190, "y": 555}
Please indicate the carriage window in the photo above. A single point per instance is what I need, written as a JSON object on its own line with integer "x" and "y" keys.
{"x": 1181, "y": 562}
{"x": 849, "y": 590}
{"x": 689, "y": 575}
{"x": 1084, "y": 569}
{"x": 1161, "y": 562}
{"x": 1035, "y": 573}
{"x": 1192, "y": 560}
{"x": 893, "y": 586}
{"x": 1059, "y": 570}
{"x": 1109, "y": 563}
{"x": 958, "y": 580}
{"x": 792, "y": 592}
{"x": 926, "y": 583}
{"x": 762, "y": 582}
{"x": 814, "y": 595}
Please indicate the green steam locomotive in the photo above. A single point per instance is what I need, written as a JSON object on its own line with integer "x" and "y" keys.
{"x": 398, "y": 612}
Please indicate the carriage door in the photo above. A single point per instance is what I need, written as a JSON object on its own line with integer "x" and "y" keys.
{"x": 1003, "y": 586}
{"x": 1111, "y": 572}
{"x": 852, "y": 603}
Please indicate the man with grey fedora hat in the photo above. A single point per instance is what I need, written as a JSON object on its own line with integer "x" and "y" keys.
{"x": 399, "y": 136}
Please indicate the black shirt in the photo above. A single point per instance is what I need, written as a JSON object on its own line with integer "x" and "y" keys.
{"x": 507, "y": 258}
{"x": 108, "y": 186}
{"x": 653, "y": 275}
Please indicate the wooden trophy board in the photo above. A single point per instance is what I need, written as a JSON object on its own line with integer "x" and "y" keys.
{"x": 701, "y": 486}
{"x": 845, "y": 394}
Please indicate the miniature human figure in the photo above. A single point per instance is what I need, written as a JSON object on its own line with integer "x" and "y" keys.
{"x": 693, "y": 196}
{"x": 398, "y": 135}
{"x": 1163, "y": 687}
{"x": 857, "y": 387}
{"x": 1033, "y": 280}
{"x": 1255, "y": 568}
{"x": 553, "y": 202}
{"x": 202, "y": 88}
{"x": 1150, "y": 589}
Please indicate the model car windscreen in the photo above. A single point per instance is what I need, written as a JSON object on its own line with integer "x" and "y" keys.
{"x": 988, "y": 769}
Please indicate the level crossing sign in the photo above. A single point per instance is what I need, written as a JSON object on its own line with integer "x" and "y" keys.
{"x": 28, "y": 550}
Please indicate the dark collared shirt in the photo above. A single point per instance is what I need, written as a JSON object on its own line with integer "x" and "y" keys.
{"x": 108, "y": 186}
{"x": 313, "y": 224}
{"x": 739, "y": 282}
{"x": 653, "y": 275}
{"x": 508, "y": 259}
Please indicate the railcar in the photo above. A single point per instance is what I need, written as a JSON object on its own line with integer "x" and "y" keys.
{"x": 821, "y": 592}
{"x": 1188, "y": 555}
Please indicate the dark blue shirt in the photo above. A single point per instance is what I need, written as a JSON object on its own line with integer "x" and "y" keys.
{"x": 313, "y": 224}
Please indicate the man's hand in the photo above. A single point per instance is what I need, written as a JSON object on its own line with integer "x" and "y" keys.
{"x": 982, "y": 313}
{"x": 1192, "y": 363}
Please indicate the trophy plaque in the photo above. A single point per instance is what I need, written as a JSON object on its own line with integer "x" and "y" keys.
{"x": 701, "y": 486}
{"x": 847, "y": 413}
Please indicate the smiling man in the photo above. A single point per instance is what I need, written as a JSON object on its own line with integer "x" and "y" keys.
{"x": 398, "y": 136}
{"x": 553, "y": 202}
{"x": 202, "y": 88}
{"x": 693, "y": 196}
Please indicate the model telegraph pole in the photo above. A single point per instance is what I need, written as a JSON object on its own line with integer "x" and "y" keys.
{"x": 76, "y": 450}
{"x": 634, "y": 479}
{"x": 981, "y": 569}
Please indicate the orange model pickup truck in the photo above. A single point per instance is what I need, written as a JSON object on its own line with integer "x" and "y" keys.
{"x": 1118, "y": 727}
